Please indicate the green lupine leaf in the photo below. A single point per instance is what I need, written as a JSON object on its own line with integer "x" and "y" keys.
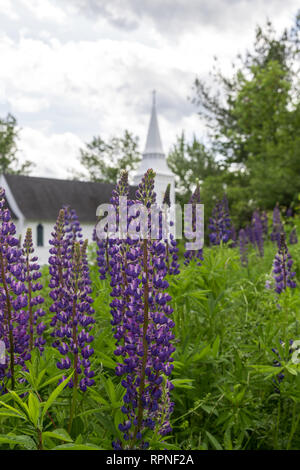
{"x": 215, "y": 443}
{"x": 55, "y": 394}
{"x": 24, "y": 441}
{"x": 60, "y": 434}
{"x": 77, "y": 447}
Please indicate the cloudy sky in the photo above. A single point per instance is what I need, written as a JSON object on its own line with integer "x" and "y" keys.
{"x": 72, "y": 69}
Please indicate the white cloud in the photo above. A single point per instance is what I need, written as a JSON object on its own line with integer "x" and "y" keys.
{"x": 176, "y": 17}
{"x": 45, "y": 10}
{"x": 104, "y": 79}
{"x": 53, "y": 154}
{"x": 7, "y": 8}
{"x": 68, "y": 76}
{"x": 28, "y": 104}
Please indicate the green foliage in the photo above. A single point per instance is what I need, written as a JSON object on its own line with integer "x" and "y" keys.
{"x": 189, "y": 160}
{"x": 103, "y": 161}
{"x": 253, "y": 118}
{"x": 9, "y": 162}
{"x": 226, "y": 390}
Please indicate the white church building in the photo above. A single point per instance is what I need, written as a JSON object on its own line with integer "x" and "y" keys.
{"x": 35, "y": 201}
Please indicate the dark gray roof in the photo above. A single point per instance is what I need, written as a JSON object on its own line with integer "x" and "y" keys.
{"x": 42, "y": 198}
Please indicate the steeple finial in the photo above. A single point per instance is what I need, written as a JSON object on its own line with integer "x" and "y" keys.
{"x": 154, "y": 98}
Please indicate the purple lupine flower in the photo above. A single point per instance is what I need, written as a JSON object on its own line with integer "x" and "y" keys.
{"x": 102, "y": 252}
{"x": 121, "y": 256}
{"x": 293, "y": 239}
{"x": 31, "y": 276}
{"x": 142, "y": 329}
{"x": 174, "y": 267}
{"x": 72, "y": 319}
{"x": 103, "y": 258}
{"x": 193, "y": 254}
{"x": 243, "y": 242}
{"x": 72, "y": 228}
{"x": 233, "y": 237}
{"x": 102, "y": 255}
{"x": 13, "y": 300}
{"x": 257, "y": 231}
{"x": 265, "y": 223}
{"x": 166, "y": 198}
{"x": 250, "y": 234}
{"x": 220, "y": 223}
{"x": 277, "y": 227}
{"x": 228, "y": 222}
{"x": 282, "y": 268}
{"x": 171, "y": 244}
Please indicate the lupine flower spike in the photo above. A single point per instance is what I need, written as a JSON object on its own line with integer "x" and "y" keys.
{"x": 257, "y": 231}
{"x": 293, "y": 237}
{"x": 72, "y": 319}
{"x": 13, "y": 300}
{"x": 277, "y": 227}
{"x": 243, "y": 242}
{"x": 220, "y": 223}
{"x": 194, "y": 254}
{"x": 282, "y": 268}
{"x": 171, "y": 244}
{"x": 142, "y": 329}
{"x": 102, "y": 254}
{"x": 265, "y": 223}
{"x": 233, "y": 237}
{"x": 31, "y": 276}
{"x": 250, "y": 234}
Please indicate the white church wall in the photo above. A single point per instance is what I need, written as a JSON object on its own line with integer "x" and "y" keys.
{"x": 43, "y": 251}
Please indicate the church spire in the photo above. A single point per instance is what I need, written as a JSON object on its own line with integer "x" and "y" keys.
{"x": 153, "y": 145}
{"x": 154, "y": 157}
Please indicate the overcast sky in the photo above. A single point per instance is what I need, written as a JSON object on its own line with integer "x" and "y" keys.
{"x": 72, "y": 69}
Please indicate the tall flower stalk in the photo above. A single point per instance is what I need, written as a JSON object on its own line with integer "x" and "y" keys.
{"x": 102, "y": 255}
{"x": 293, "y": 238}
{"x": 72, "y": 319}
{"x": 277, "y": 227}
{"x": 282, "y": 267}
{"x": 265, "y": 223}
{"x": 243, "y": 242}
{"x": 220, "y": 223}
{"x": 189, "y": 255}
{"x": 258, "y": 232}
{"x": 31, "y": 276}
{"x": 13, "y": 300}
{"x": 142, "y": 329}
{"x": 170, "y": 242}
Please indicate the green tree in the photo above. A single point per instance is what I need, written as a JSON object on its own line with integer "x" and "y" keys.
{"x": 103, "y": 161}
{"x": 253, "y": 120}
{"x": 191, "y": 162}
{"x": 268, "y": 126}
{"x": 9, "y": 161}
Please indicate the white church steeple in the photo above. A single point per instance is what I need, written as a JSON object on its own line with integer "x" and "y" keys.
{"x": 154, "y": 157}
{"x": 153, "y": 144}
